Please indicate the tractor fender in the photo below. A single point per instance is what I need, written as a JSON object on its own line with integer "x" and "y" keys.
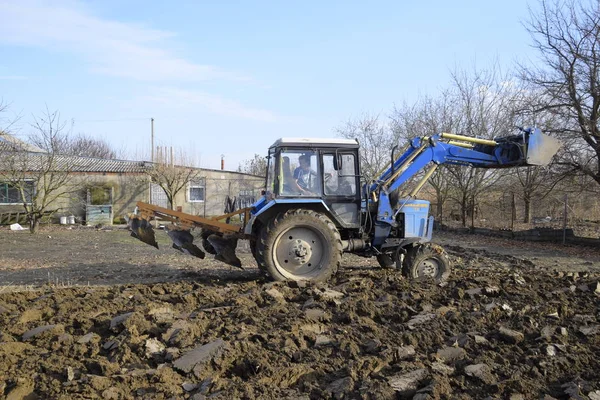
{"x": 281, "y": 205}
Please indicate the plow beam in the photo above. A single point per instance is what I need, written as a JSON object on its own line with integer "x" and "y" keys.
{"x": 188, "y": 220}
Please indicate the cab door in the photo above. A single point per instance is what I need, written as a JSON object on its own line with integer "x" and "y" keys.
{"x": 341, "y": 188}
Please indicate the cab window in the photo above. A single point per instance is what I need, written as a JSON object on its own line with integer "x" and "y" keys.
{"x": 299, "y": 174}
{"x": 341, "y": 182}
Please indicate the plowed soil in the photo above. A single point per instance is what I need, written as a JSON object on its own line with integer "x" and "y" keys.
{"x": 95, "y": 314}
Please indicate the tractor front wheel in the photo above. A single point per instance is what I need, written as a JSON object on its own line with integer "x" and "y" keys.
{"x": 299, "y": 245}
{"x": 427, "y": 260}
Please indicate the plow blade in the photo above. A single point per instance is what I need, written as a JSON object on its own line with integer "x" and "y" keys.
{"x": 142, "y": 230}
{"x": 223, "y": 247}
{"x": 183, "y": 241}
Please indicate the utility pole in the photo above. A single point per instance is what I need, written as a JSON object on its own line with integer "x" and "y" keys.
{"x": 152, "y": 138}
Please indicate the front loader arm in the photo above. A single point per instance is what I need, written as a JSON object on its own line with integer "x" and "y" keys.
{"x": 526, "y": 149}
{"x": 530, "y": 148}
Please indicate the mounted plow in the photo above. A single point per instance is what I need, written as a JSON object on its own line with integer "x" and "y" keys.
{"x": 218, "y": 237}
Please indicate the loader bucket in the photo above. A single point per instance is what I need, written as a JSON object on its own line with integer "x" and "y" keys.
{"x": 541, "y": 148}
{"x": 142, "y": 230}
{"x": 183, "y": 241}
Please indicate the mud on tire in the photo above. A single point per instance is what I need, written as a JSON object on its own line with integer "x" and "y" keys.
{"x": 299, "y": 245}
{"x": 427, "y": 260}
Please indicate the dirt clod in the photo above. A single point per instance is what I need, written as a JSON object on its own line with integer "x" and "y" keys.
{"x": 480, "y": 371}
{"x": 181, "y": 328}
{"x": 510, "y": 336}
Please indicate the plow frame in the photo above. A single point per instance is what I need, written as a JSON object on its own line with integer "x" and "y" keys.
{"x": 188, "y": 221}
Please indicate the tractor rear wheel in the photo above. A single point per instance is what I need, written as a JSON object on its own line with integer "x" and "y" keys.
{"x": 299, "y": 245}
{"x": 427, "y": 260}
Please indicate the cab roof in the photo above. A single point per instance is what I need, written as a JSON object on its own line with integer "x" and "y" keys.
{"x": 315, "y": 142}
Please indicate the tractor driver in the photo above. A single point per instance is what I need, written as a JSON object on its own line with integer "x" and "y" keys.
{"x": 304, "y": 176}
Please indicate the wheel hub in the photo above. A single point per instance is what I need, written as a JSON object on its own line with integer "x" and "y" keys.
{"x": 300, "y": 250}
{"x": 428, "y": 268}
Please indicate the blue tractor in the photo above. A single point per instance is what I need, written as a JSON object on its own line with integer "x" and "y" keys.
{"x": 316, "y": 207}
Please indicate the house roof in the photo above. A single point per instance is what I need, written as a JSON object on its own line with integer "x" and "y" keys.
{"x": 9, "y": 142}
{"x": 32, "y": 161}
{"x": 32, "y": 158}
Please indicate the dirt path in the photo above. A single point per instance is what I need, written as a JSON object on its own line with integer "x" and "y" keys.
{"x": 543, "y": 255}
{"x": 502, "y": 326}
{"x": 87, "y": 256}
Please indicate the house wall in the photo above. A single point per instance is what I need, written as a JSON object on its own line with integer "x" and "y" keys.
{"x": 129, "y": 188}
{"x": 219, "y": 185}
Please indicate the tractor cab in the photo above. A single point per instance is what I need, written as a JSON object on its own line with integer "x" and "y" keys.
{"x": 316, "y": 171}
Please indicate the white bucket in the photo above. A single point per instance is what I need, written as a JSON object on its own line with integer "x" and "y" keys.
{"x": 63, "y": 220}
{"x": 71, "y": 220}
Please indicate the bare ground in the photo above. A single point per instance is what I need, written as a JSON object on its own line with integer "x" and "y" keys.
{"x": 97, "y": 314}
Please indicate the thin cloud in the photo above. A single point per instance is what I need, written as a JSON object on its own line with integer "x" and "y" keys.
{"x": 182, "y": 99}
{"x": 12, "y": 78}
{"x": 110, "y": 47}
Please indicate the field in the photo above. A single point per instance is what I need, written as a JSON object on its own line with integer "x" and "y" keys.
{"x": 88, "y": 313}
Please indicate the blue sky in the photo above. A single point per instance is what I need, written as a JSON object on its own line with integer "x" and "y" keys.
{"x": 230, "y": 77}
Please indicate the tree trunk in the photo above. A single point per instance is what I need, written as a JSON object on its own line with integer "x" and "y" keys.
{"x": 439, "y": 205}
{"x": 34, "y": 224}
{"x": 463, "y": 211}
{"x": 472, "y": 212}
{"x": 513, "y": 212}
{"x": 527, "y": 216}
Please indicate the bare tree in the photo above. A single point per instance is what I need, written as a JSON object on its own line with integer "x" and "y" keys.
{"x": 567, "y": 80}
{"x": 426, "y": 117}
{"x": 37, "y": 180}
{"x": 376, "y": 141}
{"x": 87, "y": 146}
{"x": 485, "y": 107}
{"x": 254, "y": 166}
{"x": 81, "y": 146}
{"x": 173, "y": 173}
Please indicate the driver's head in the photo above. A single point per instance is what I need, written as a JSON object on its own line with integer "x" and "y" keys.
{"x": 304, "y": 160}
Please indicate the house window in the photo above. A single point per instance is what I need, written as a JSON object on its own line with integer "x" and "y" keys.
{"x": 9, "y": 194}
{"x": 196, "y": 192}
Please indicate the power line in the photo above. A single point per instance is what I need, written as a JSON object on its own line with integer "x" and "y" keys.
{"x": 110, "y": 120}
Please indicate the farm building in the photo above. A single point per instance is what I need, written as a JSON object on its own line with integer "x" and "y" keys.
{"x": 102, "y": 191}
